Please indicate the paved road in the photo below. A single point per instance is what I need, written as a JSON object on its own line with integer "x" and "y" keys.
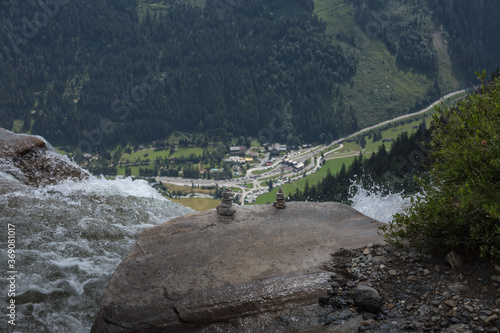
{"x": 276, "y": 170}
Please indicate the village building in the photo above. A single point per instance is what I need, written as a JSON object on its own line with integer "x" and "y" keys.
{"x": 298, "y": 166}
{"x": 274, "y": 149}
{"x": 237, "y": 150}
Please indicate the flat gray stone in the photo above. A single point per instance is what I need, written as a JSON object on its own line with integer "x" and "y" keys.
{"x": 204, "y": 270}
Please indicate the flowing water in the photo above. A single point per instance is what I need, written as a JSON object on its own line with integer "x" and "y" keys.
{"x": 377, "y": 204}
{"x": 69, "y": 239}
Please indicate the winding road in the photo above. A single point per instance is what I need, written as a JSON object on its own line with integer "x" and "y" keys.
{"x": 301, "y": 156}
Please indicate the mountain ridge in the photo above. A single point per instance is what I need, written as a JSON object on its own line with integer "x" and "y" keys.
{"x": 227, "y": 69}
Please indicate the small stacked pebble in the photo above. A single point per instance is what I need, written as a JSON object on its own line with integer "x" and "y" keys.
{"x": 225, "y": 207}
{"x": 404, "y": 290}
{"x": 280, "y": 199}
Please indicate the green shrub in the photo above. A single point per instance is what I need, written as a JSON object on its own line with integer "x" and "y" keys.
{"x": 460, "y": 205}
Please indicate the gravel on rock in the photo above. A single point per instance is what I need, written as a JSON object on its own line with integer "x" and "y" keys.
{"x": 419, "y": 292}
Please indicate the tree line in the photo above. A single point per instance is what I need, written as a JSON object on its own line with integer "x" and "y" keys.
{"x": 89, "y": 64}
{"x": 392, "y": 171}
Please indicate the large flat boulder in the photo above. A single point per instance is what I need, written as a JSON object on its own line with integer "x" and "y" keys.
{"x": 204, "y": 272}
{"x": 32, "y": 161}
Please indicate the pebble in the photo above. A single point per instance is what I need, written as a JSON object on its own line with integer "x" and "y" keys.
{"x": 413, "y": 254}
{"x": 454, "y": 260}
{"x": 368, "y": 251}
{"x": 490, "y": 319}
{"x": 368, "y": 315}
{"x": 367, "y": 298}
{"x": 450, "y": 303}
{"x": 413, "y": 291}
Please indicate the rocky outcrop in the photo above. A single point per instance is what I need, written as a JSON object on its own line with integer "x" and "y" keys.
{"x": 403, "y": 290}
{"x": 32, "y": 161}
{"x": 259, "y": 268}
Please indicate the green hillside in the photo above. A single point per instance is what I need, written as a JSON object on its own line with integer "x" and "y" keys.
{"x": 94, "y": 74}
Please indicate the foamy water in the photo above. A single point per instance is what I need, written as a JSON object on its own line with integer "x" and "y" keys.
{"x": 377, "y": 204}
{"x": 70, "y": 238}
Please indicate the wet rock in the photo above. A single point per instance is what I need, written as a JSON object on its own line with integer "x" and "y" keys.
{"x": 32, "y": 161}
{"x": 210, "y": 306}
{"x": 17, "y": 144}
{"x": 367, "y": 298}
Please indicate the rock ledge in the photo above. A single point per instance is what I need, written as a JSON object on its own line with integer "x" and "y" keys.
{"x": 261, "y": 267}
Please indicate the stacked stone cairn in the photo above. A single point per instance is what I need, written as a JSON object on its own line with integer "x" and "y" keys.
{"x": 225, "y": 207}
{"x": 280, "y": 199}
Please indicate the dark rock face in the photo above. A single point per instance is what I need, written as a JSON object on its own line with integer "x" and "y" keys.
{"x": 30, "y": 160}
{"x": 260, "y": 268}
{"x": 367, "y": 298}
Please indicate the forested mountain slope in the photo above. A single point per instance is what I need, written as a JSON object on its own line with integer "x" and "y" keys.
{"x": 123, "y": 71}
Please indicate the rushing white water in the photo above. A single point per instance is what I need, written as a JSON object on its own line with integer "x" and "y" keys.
{"x": 376, "y": 204}
{"x": 70, "y": 238}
